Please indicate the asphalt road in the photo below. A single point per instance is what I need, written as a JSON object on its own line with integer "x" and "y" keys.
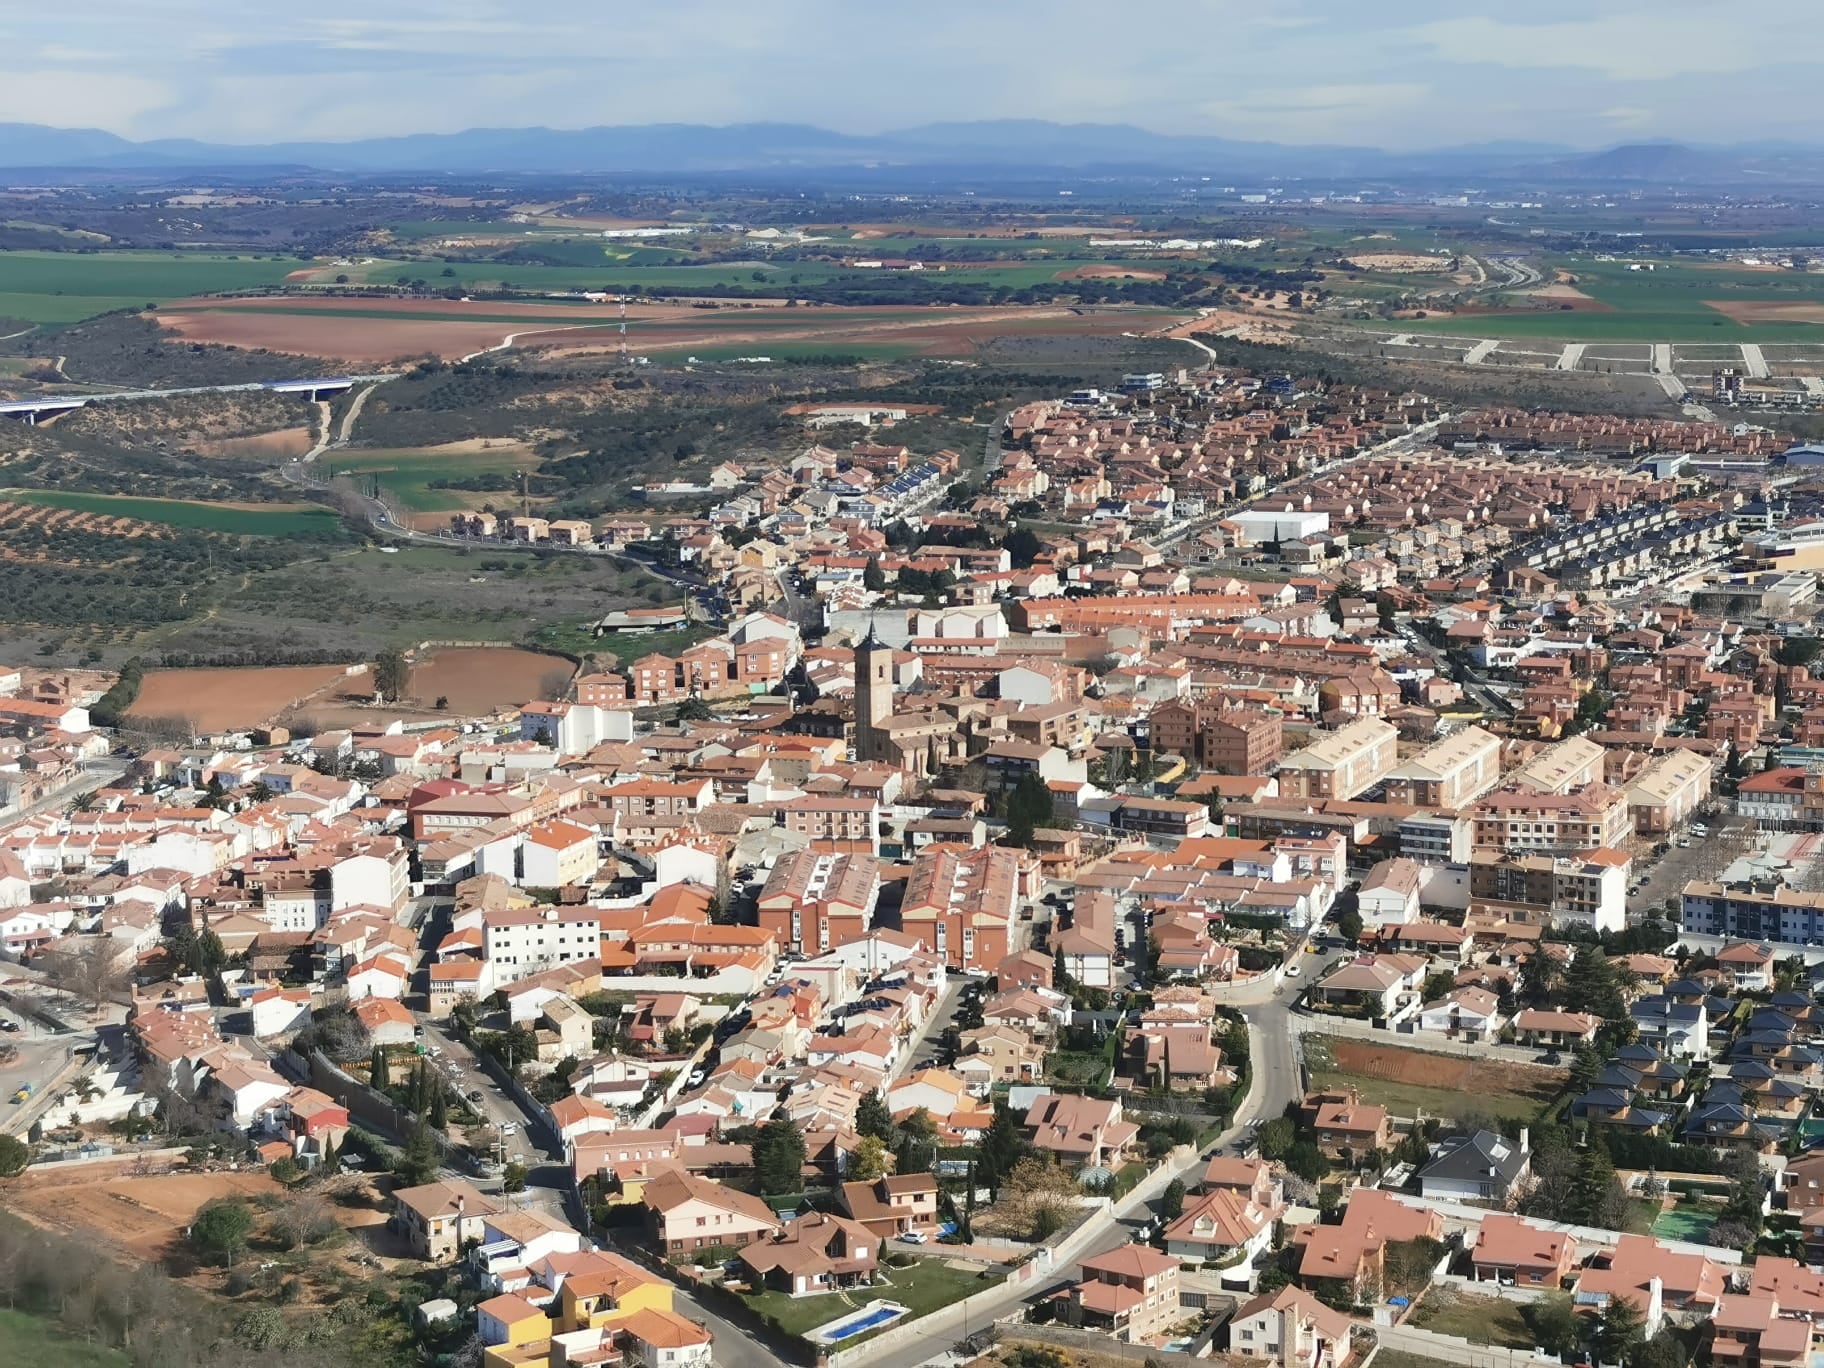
{"x": 458, "y": 1065}
{"x": 96, "y": 774}
{"x": 1275, "y": 1083}
{"x": 924, "y": 1050}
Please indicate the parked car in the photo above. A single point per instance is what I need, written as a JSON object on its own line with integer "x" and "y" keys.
{"x": 914, "y": 1237}
{"x": 474, "y": 1094}
{"x": 1291, "y": 971}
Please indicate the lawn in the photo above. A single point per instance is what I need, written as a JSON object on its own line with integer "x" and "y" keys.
{"x": 61, "y": 287}
{"x": 1065, "y": 1066}
{"x": 1480, "y": 1320}
{"x": 282, "y": 520}
{"x": 26, "y": 1340}
{"x": 577, "y": 641}
{"x": 406, "y": 475}
{"x": 928, "y": 1284}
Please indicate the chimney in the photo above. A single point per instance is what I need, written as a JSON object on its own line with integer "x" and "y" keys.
{"x": 1526, "y": 1140}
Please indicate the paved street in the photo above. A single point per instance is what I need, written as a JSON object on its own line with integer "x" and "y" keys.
{"x": 1275, "y": 1083}
{"x": 459, "y": 1067}
{"x": 924, "y": 1050}
{"x": 1273, "y": 1052}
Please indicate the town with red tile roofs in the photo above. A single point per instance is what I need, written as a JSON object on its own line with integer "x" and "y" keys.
{"x": 1262, "y": 868}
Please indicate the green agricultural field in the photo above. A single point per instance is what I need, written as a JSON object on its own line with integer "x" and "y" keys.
{"x": 295, "y": 520}
{"x": 406, "y": 475}
{"x": 1671, "y": 303}
{"x": 63, "y": 287}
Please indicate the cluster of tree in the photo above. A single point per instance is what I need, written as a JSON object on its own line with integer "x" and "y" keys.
{"x": 108, "y": 710}
{"x": 338, "y": 1033}
{"x": 1591, "y": 982}
{"x": 152, "y": 1322}
{"x": 1578, "y": 1187}
{"x": 1029, "y": 807}
{"x": 91, "y": 968}
{"x": 931, "y": 585}
{"x": 778, "y": 1153}
{"x": 1615, "y": 1336}
{"x": 1280, "y": 1140}
{"x": 392, "y": 674}
{"x": 423, "y": 1091}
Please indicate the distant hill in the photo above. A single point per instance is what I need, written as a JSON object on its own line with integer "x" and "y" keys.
{"x": 1029, "y": 147}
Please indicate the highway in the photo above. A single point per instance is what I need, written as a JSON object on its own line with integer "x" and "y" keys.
{"x": 28, "y": 410}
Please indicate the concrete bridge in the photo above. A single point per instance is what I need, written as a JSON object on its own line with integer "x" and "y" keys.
{"x": 52, "y": 406}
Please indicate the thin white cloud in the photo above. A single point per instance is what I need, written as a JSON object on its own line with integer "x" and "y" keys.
{"x": 1403, "y": 73}
{"x": 1648, "y": 45}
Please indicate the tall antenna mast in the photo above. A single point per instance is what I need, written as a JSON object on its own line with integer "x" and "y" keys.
{"x": 624, "y": 330}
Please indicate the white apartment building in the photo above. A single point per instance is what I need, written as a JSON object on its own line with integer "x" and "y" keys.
{"x": 520, "y": 941}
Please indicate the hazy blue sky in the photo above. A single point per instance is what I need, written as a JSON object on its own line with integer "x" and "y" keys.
{"x": 1402, "y": 73}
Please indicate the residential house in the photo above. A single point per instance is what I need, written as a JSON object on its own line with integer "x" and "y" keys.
{"x": 1466, "y": 1014}
{"x": 819, "y": 1252}
{"x": 1081, "y": 1131}
{"x": 1353, "y": 1252}
{"x": 1130, "y": 1293}
{"x": 892, "y": 1205}
{"x": 1483, "y": 1167}
{"x": 1512, "y": 1250}
{"x": 1291, "y": 1329}
{"x": 685, "y": 1212}
{"x": 1540, "y": 1027}
{"x": 437, "y": 1219}
{"x": 1680, "y": 1029}
{"x": 1345, "y": 1127}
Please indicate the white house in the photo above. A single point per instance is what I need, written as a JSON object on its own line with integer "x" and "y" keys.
{"x": 276, "y": 1011}
{"x": 522, "y": 941}
{"x": 574, "y": 728}
{"x": 15, "y": 887}
{"x": 381, "y": 976}
{"x": 1469, "y": 1014}
{"x": 559, "y": 854}
{"x": 1390, "y": 893}
{"x": 1679, "y": 1029}
{"x": 1483, "y": 1167}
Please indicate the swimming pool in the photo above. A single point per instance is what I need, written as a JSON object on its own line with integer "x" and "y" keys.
{"x": 870, "y": 1317}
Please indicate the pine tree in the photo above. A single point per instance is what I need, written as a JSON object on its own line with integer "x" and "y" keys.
{"x": 420, "y": 1160}
{"x": 1001, "y": 1147}
{"x": 873, "y": 1118}
{"x": 440, "y": 1108}
{"x": 376, "y": 1069}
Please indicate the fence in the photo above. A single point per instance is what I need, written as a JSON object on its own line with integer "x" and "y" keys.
{"x": 1450, "y": 1349}
{"x": 366, "y": 1105}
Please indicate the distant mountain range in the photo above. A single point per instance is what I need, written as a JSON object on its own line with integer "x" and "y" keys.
{"x": 1000, "y": 147}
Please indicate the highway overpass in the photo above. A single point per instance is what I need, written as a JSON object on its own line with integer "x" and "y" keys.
{"x": 51, "y": 406}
